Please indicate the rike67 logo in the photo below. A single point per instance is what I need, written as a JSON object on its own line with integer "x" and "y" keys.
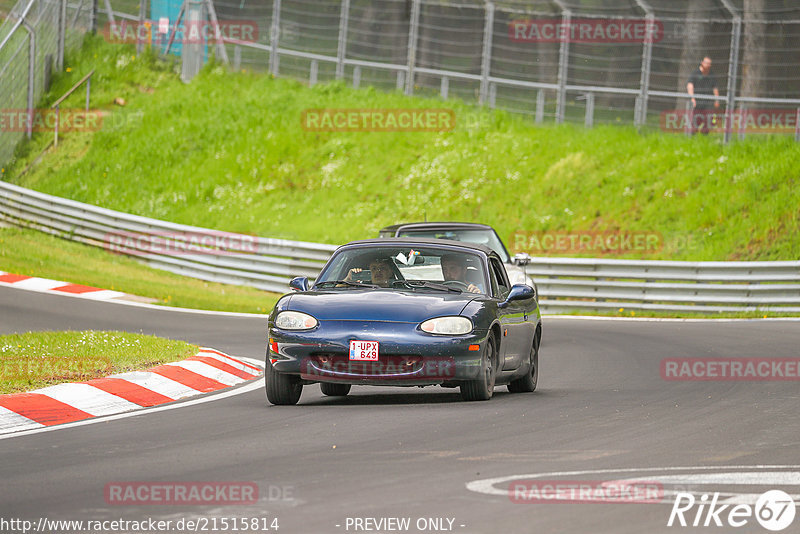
{"x": 774, "y": 510}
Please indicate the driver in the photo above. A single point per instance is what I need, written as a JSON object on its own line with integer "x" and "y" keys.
{"x": 454, "y": 269}
{"x": 380, "y": 269}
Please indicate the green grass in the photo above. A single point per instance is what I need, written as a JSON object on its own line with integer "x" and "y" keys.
{"x": 37, "y": 359}
{"x": 228, "y": 152}
{"x": 33, "y": 253}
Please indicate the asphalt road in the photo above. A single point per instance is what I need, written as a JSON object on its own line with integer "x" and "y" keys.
{"x": 410, "y": 453}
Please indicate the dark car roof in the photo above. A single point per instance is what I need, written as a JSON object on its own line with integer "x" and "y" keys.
{"x": 435, "y": 225}
{"x": 423, "y": 241}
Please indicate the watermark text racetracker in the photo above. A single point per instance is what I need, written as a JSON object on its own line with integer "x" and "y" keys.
{"x": 45, "y": 525}
{"x": 536, "y": 491}
{"x": 730, "y": 369}
{"x": 586, "y": 30}
{"x": 191, "y": 32}
{"x": 378, "y": 120}
{"x": 178, "y": 243}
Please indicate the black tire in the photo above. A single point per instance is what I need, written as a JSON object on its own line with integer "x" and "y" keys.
{"x": 282, "y": 389}
{"x": 334, "y": 390}
{"x": 482, "y": 388}
{"x": 527, "y": 383}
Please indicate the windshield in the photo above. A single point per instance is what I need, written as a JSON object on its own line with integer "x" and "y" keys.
{"x": 407, "y": 267}
{"x": 481, "y": 236}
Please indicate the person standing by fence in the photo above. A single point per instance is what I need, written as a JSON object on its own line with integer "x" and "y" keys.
{"x": 702, "y": 82}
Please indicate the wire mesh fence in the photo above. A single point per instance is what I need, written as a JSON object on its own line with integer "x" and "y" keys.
{"x": 583, "y": 61}
{"x": 34, "y": 36}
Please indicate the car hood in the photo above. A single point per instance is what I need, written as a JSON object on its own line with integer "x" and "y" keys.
{"x": 378, "y": 305}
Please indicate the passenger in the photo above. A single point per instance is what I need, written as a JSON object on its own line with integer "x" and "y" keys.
{"x": 380, "y": 270}
{"x": 454, "y": 269}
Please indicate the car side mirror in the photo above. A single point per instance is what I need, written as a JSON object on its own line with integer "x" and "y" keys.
{"x": 518, "y": 292}
{"x": 522, "y": 259}
{"x": 299, "y": 283}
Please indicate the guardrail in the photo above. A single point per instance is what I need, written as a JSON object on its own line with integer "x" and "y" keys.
{"x": 565, "y": 284}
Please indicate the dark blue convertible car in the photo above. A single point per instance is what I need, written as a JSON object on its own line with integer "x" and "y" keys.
{"x": 405, "y": 312}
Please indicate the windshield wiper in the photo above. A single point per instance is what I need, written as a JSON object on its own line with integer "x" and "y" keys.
{"x": 424, "y": 283}
{"x": 351, "y": 283}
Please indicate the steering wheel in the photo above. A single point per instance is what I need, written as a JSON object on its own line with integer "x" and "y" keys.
{"x": 457, "y": 284}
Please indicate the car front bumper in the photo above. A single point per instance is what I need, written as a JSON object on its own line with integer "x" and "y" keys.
{"x": 406, "y": 355}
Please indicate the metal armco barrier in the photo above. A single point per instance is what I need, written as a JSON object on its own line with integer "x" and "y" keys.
{"x": 565, "y": 284}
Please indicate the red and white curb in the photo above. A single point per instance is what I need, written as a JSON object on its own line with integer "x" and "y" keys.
{"x": 43, "y": 284}
{"x": 210, "y": 370}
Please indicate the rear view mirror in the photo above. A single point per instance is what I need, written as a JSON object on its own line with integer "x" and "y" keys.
{"x": 299, "y": 283}
{"x": 518, "y": 292}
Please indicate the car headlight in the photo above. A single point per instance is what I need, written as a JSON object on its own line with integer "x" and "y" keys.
{"x": 453, "y": 325}
{"x": 292, "y": 320}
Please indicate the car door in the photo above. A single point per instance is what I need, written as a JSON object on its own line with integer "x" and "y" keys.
{"x": 517, "y": 331}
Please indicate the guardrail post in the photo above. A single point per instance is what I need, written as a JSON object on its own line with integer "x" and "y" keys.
{"x": 274, "y": 41}
{"x": 444, "y": 88}
{"x": 413, "y": 32}
{"x": 486, "y": 55}
{"x": 341, "y": 51}
{"x": 540, "y": 106}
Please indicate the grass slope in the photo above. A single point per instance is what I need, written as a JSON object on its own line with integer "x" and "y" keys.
{"x": 33, "y": 253}
{"x": 228, "y": 151}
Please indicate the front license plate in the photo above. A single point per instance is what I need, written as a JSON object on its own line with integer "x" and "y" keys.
{"x": 364, "y": 351}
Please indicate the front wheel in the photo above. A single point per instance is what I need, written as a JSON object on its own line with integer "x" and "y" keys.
{"x": 334, "y": 390}
{"x": 282, "y": 389}
{"x": 528, "y": 382}
{"x": 483, "y": 387}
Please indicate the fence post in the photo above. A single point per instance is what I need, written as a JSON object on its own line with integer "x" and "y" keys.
{"x": 341, "y": 51}
{"x": 62, "y": 30}
{"x": 563, "y": 62}
{"x": 647, "y": 58}
{"x": 413, "y": 31}
{"x": 588, "y": 120}
{"x": 312, "y": 73}
{"x": 274, "y": 58}
{"x": 142, "y": 22}
{"x": 539, "y": 106}
{"x": 94, "y": 15}
{"x": 237, "y": 58}
{"x": 356, "y": 77}
{"x": 733, "y": 64}
{"x": 797, "y": 126}
{"x": 486, "y": 55}
{"x": 444, "y": 88}
{"x": 31, "y": 76}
